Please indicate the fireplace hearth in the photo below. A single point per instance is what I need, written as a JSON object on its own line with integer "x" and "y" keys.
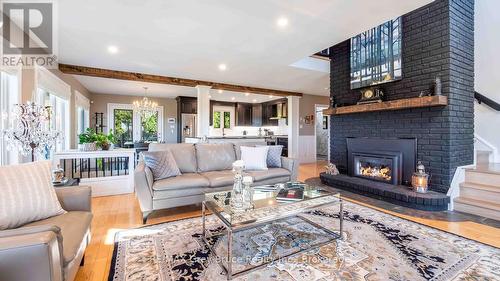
{"x": 382, "y": 168}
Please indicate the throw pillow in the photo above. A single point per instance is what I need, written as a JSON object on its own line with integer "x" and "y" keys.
{"x": 27, "y": 194}
{"x": 274, "y": 156}
{"x": 161, "y": 163}
{"x": 255, "y": 158}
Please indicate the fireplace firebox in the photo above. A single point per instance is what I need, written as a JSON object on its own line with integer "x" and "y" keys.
{"x": 385, "y": 160}
{"x": 381, "y": 166}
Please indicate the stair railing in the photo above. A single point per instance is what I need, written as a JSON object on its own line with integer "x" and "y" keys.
{"x": 489, "y": 102}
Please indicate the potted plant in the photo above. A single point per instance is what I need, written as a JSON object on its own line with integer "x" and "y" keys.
{"x": 105, "y": 141}
{"x": 87, "y": 140}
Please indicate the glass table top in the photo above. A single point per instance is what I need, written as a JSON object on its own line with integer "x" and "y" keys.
{"x": 269, "y": 202}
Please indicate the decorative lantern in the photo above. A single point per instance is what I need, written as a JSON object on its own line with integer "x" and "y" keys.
{"x": 420, "y": 179}
{"x": 58, "y": 175}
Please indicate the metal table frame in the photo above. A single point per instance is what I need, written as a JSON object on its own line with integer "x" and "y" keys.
{"x": 233, "y": 228}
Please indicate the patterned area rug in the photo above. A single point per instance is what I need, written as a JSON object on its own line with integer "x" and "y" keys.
{"x": 376, "y": 246}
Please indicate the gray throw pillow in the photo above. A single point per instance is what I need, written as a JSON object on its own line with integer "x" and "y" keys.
{"x": 274, "y": 156}
{"x": 161, "y": 163}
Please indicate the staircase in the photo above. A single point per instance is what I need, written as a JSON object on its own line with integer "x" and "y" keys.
{"x": 480, "y": 192}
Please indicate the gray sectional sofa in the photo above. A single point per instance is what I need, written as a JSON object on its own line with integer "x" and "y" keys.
{"x": 205, "y": 168}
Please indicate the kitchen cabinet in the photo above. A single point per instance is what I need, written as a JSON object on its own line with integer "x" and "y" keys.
{"x": 244, "y": 114}
{"x": 274, "y": 110}
{"x": 257, "y": 115}
{"x": 187, "y": 105}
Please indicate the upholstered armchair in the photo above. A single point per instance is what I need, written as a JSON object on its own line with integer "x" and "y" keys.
{"x": 51, "y": 249}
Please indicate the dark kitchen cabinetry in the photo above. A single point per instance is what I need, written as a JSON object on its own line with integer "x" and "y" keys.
{"x": 187, "y": 105}
{"x": 267, "y": 114}
{"x": 273, "y": 111}
{"x": 244, "y": 114}
{"x": 257, "y": 115}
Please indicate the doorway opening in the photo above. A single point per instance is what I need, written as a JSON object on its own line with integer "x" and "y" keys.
{"x": 322, "y": 133}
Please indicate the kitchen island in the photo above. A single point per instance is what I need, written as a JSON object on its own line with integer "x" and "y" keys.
{"x": 219, "y": 139}
{"x": 250, "y": 140}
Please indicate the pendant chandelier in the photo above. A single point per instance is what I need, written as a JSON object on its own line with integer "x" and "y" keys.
{"x": 31, "y": 131}
{"x": 145, "y": 106}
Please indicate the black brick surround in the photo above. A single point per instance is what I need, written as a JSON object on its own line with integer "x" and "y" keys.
{"x": 438, "y": 40}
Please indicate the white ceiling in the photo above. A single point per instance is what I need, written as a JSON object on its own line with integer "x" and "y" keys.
{"x": 190, "y": 38}
{"x": 132, "y": 88}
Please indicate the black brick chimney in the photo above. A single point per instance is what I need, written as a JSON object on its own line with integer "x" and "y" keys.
{"x": 438, "y": 40}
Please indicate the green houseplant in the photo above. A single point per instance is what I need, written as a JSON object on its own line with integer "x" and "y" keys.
{"x": 104, "y": 141}
{"x": 87, "y": 140}
{"x": 90, "y": 140}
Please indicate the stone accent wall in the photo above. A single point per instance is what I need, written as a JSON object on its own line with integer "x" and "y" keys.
{"x": 438, "y": 40}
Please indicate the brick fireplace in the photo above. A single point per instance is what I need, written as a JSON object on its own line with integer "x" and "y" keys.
{"x": 438, "y": 41}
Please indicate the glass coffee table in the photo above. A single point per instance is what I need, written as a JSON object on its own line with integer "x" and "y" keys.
{"x": 267, "y": 207}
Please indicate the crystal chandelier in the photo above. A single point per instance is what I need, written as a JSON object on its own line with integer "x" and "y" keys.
{"x": 145, "y": 106}
{"x": 30, "y": 131}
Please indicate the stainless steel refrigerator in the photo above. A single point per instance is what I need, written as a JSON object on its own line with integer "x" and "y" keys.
{"x": 188, "y": 126}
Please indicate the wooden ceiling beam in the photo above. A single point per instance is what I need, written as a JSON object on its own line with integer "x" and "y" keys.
{"x": 150, "y": 78}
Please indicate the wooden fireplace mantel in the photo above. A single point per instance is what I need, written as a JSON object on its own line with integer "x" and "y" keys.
{"x": 389, "y": 105}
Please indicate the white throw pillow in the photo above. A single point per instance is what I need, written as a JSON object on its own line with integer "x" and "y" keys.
{"x": 27, "y": 194}
{"x": 255, "y": 158}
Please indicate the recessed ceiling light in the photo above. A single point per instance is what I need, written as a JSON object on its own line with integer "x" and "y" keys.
{"x": 282, "y": 22}
{"x": 247, "y": 94}
{"x": 233, "y": 98}
{"x": 209, "y": 96}
{"x": 222, "y": 67}
{"x": 112, "y": 49}
{"x": 254, "y": 100}
{"x": 220, "y": 91}
{"x": 270, "y": 96}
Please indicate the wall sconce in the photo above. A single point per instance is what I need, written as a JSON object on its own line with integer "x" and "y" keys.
{"x": 420, "y": 179}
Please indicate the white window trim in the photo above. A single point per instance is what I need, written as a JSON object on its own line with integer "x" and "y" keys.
{"x": 81, "y": 100}
{"x": 12, "y": 155}
{"x": 136, "y": 119}
{"x": 49, "y": 82}
{"x": 84, "y": 102}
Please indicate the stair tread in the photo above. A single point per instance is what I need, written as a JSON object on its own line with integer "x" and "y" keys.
{"x": 478, "y": 203}
{"x": 481, "y": 186}
{"x": 491, "y": 168}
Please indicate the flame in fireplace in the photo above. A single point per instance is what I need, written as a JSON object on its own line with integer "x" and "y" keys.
{"x": 376, "y": 172}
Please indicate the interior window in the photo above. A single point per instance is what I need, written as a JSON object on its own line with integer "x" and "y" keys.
{"x": 217, "y": 119}
{"x": 124, "y": 126}
{"x": 59, "y": 117}
{"x": 227, "y": 120}
{"x": 83, "y": 119}
{"x": 222, "y": 118}
{"x": 149, "y": 127}
{"x": 9, "y": 96}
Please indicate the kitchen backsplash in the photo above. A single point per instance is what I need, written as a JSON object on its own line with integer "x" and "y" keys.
{"x": 282, "y": 129}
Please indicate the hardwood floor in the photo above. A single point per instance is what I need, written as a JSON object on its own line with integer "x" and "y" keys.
{"x": 115, "y": 213}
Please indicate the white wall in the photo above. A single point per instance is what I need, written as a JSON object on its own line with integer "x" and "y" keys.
{"x": 487, "y": 73}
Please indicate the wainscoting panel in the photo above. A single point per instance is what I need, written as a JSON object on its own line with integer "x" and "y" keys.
{"x": 307, "y": 149}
